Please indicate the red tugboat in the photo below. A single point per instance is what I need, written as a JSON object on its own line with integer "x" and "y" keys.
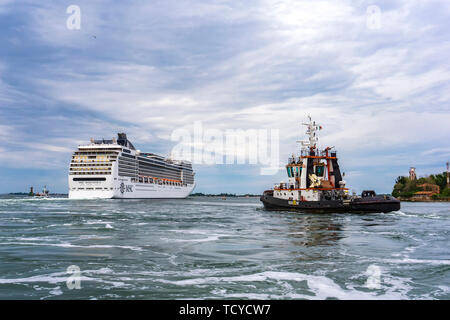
{"x": 315, "y": 184}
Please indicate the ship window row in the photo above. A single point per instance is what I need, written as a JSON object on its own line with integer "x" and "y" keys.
{"x": 94, "y": 153}
{"x": 151, "y": 160}
{"x": 127, "y": 166}
{"x": 90, "y": 164}
{"x": 95, "y": 156}
{"x": 121, "y": 168}
{"x": 158, "y": 181}
{"x": 159, "y": 163}
{"x": 153, "y": 168}
{"x": 160, "y": 169}
{"x": 146, "y": 161}
{"x": 126, "y": 161}
{"x": 89, "y": 172}
{"x": 75, "y": 160}
{"x": 126, "y": 174}
{"x": 283, "y": 193}
{"x": 89, "y": 169}
{"x": 143, "y": 164}
{"x": 158, "y": 173}
{"x": 128, "y": 156}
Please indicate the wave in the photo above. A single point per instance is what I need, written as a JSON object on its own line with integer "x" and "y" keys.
{"x": 320, "y": 286}
{"x": 70, "y": 245}
{"x": 227, "y": 203}
{"x": 418, "y": 261}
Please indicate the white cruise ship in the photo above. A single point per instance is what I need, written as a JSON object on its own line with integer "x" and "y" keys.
{"x": 115, "y": 169}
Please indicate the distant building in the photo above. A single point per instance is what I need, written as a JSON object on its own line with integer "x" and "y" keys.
{"x": 412, "y": 174}
{"x": 428, "y": 191}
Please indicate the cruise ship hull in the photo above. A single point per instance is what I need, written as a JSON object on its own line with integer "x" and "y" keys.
{"x": 135, "y": 191}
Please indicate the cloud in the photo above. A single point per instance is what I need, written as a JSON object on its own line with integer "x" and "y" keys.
{"x": 381, "y": 94}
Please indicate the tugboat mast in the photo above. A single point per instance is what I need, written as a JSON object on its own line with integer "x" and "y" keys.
{"x": 311, "y": 130}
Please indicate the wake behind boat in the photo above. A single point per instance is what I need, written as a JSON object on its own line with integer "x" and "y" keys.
{"x": 315, "y": 184}
{"x": 115, "y": 169}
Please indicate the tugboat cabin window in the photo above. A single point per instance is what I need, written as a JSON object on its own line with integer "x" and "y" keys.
{"x": 319, "y": 171}
{"x": 289, "y": 172}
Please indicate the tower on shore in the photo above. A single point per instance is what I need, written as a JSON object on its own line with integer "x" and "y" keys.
{"x": 448, "y": 179}
{"x": 412, "y": 174}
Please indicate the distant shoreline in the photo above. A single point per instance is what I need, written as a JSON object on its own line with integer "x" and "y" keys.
{"x": 226, "y": 195}
{"x": 28, "y": 194}
{"x": 425, "y": 200}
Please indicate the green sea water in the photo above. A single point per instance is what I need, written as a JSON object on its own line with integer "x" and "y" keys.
{"x": 210, "y": 248}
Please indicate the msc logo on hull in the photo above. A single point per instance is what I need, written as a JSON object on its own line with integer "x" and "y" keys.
{"x": 124, "y": 188}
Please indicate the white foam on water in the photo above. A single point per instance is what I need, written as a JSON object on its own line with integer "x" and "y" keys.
{"x": 52, "y": 278}
{"x": 45, "y": 238}
{"x": 62, "y": 277}
{"x": 418, "y": 215}
{"x": 56, "y": 291}
{"x": 445, "y": 289}
{"x": 92, "y": 237}
{"x": 393, "y": 287}
{"x": 96, "y": 222}
{"x": 209, "y": 236}
{"x": 70, "y": 245}
{"x": 207, "y": 239}
{"x": 420, "y": 261}
{"x": 18, "y": 220}
{"x": 322, "y": 287}
{"x": 227, "y": 203}
{"x": 251, "y": 296}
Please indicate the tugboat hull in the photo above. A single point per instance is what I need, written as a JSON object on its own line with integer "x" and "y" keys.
{"x": 360, "y": 205}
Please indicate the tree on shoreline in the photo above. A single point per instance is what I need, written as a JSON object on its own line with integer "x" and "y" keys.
{"x": 405, "y": 187}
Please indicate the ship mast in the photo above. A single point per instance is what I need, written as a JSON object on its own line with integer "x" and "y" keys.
{"x": 311, "y": 129}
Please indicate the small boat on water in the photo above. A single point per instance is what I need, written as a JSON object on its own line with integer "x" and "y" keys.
{"x": 43, "y": 194}
{"x": 315, "y": 184}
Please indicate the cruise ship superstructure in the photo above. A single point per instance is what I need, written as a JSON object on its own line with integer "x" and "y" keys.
{"x": 115, "y": 169}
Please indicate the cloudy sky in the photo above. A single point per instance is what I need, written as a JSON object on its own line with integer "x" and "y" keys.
{"x": 375, "y": 74}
